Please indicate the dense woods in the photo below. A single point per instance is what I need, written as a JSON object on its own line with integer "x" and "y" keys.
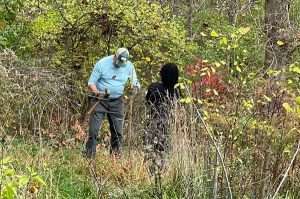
{"x": 235, "y": 133}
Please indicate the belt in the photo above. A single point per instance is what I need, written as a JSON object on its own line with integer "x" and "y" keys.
{"x": 104, "y": 98}
{"x": 113, "y": 99}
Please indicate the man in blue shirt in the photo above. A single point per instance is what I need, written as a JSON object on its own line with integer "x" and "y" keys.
{"x": 109, "y": 78}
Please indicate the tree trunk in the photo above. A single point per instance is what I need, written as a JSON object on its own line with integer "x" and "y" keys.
{"x": 190, "y": 19}
{"x": 278, "y": 35}
{"x": 175, "y": 7}
{"x": 232, "y": 6}
{"x": 232, "y": 9}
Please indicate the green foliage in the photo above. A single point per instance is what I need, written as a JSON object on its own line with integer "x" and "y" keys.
{"x": 12, "y": 26}
{"x": 255, "y": 119}
{"x": 12, "y": 182}
{"x": 48, "y": 23}
{"x": 231, "y": 45}
{"x": 77, "y": 35}
{"x": 235, "y": 47}
{"x": 293, "y": 75}
{"x": 9, "y": 9}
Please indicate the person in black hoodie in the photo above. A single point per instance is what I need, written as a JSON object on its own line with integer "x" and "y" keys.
{"x": 161, "y": 98}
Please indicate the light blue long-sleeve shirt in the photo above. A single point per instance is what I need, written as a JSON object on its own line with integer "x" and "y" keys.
{"x": 106, "y": 75}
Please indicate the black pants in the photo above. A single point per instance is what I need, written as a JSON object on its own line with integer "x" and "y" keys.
{"x": 113, "y": 108}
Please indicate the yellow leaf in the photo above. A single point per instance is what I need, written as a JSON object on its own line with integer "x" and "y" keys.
{"x": 267, "y": 98}
{"x": 203, "y": 34}
{"x": 280, "y": 43}
{"x": 298, "y": 111}
{"x": 182, "y": 100}
{"x": 213, "y": 70}
{"x": 287, "y": 107}
{"x": 215, "y": 92}
{"x": 298, "y": 100}
{"x": 9, "y": 172}
{"x": 199, "y": 101}
{"x": 189, "y": 100}
{"x": 223, "y": 62}
{"x": 244, "y": 30}
{"x": 217, "y": 64}
{"x": 148, "y": 59}
{"x": 6, "y": 160}
{"x": 39, "y": 181}
{"x": 214, "y": 34}
{"x": 208, "y": 73}
{"x": 181, "y": 86}
{"x": 204, "y": 69}
{"x": 224, "y": 41}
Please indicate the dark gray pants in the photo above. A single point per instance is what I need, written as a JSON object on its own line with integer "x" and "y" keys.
{"x": 113, "y": 108}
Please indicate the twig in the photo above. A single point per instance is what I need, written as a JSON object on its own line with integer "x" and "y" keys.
{"x": 98, "y": 183}
{"x": 1, "y": 164}
{"x": 217, "y": 149}
{"x": 216, "y": 173}
{"x": 61, "y": 12}
{"x": 130, "y": 124}
{"x": 93, "y": 108}
{"x": 287, "y": 171}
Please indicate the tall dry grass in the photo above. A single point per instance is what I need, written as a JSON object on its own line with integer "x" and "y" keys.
{"x": 218, "y": 149}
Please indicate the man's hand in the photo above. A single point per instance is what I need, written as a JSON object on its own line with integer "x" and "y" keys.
{"x": 94, "y": 90}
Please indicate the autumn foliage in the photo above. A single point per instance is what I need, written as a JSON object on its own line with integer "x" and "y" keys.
{"x": 206, "y": 82}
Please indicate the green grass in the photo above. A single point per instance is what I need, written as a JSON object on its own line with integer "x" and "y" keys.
{"x": 67, "y": 175}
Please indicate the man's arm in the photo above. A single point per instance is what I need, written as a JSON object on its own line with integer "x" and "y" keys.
{"x": 95, "y": 76}
{"x": 134, "y": 80}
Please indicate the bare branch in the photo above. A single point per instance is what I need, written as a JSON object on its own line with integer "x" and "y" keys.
{"x": 287, "y": 171}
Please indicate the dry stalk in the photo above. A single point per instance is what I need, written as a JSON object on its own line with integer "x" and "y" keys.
{"x": 287, "y": 170}
{"x": 217, "y": 148}
{"x": 98, "y": 181}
